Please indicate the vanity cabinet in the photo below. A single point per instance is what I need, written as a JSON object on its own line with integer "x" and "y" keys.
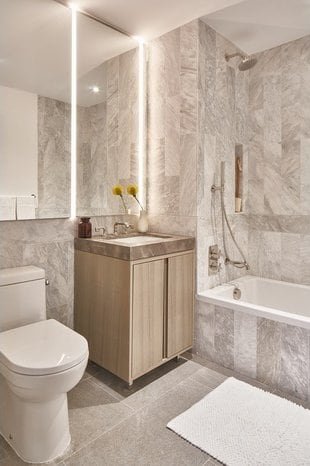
{"x": 135, "y": 314}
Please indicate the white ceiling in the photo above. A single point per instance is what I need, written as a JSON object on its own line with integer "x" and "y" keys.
{"x": 35, "y": 39}
{"x": 151, "y": 18}
{"x": 35, "y": 35}
{"x": 257, "y": 25}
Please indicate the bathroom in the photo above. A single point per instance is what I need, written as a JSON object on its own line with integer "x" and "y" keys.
{"x": 106, "y": 96}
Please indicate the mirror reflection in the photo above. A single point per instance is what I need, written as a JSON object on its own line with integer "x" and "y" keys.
{"x": 35, "y": 60}
{"x": 107, "y": 117}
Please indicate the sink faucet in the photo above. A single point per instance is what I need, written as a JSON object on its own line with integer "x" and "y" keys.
{"x": 127, "y": 226}
{"x": 98, "y": 229}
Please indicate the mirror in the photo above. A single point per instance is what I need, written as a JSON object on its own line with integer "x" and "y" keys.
{"x": 107, "y": 117}
{"x": 35, "y": 94}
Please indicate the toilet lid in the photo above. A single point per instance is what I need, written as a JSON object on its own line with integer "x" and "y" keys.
{"x": 45, "y": 347}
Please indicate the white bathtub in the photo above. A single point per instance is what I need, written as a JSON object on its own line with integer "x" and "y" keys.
{"x": 272, "y": 299}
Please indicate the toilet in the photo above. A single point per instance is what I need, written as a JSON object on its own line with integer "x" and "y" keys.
{"x": 40, "y": 361}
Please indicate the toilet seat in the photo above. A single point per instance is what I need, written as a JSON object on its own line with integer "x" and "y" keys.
{"x": 42, "y": 348}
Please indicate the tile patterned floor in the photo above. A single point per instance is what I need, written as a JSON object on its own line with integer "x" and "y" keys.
{"x": 117, "y": 426}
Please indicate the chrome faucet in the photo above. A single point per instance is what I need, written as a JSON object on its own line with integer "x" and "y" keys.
{"x": 127, "y": 226}
{"x": 98, "y": 229}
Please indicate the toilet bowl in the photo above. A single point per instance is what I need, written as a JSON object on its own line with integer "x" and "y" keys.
{"x": 39, "y": 363}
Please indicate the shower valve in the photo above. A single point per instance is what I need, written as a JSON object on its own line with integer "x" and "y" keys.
{"x": 214, "y": 259}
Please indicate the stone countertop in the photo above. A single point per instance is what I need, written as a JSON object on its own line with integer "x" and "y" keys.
{"x": 167, "y": 244}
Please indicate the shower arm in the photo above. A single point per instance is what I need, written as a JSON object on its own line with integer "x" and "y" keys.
{"x": 233, "y": 55}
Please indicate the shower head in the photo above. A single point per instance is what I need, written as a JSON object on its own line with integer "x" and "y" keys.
{"x": 246, "y": 62}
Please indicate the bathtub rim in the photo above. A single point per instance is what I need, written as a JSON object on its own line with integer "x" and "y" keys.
{"x": 210, "y": 296}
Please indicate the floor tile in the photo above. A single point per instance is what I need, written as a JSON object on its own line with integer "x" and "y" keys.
{"x": 156, "y": 389}
{"x": 144, "y": 439}
{"x": 208, "y": 377}
{"x": 305, "y": 404}
{"x": 121, "y": 390}
{"x": 92, "y": 411}
{"x": 113, "y": 425}
{"x": 91, "y": 370}
{"x": 213, "y": 462}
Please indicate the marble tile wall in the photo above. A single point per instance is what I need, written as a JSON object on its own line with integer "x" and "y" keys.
{"x": 279, "y": 163}
{"x": 223, "y": 123}
{"x": 199, "y": 109}
{"x": 271, "y": 352}
{"x": 47, "y": 244}
{"x": 172, "y": 130}
{"x": 54, "y": 158}
{"x": 197, "y": 112}
{"x": 108, "y": 139}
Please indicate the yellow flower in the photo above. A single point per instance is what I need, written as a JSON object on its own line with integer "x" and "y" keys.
{"x": 118, "y": 190}
{"x": 132, "y": 189}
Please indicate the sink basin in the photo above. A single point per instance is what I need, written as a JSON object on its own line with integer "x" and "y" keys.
{"x": 137, "y": 240}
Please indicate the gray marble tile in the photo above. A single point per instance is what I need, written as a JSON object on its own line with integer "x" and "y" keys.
{"x": 159, "y": 387}
{"x": 224, "y": 337}
{"x": 188, "y": 175}
{"x": 54, "y": 119}
{"x": 269, "y": 335}
{"x": 95, "y": 410}
{"x": 204, "y": 330}
{"x": 294, "y": 366}
{"x": 173, "y": 224}
{"x": 208, "y": 377}
{"x": 245, "y": 344}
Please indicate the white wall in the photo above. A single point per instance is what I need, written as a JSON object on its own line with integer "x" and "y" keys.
{"x": 18, "y": 142}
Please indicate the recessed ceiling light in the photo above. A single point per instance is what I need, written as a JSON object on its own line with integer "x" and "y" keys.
{"x": 95, "y": 89}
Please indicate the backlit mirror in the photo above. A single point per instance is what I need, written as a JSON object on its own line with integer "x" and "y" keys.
{"x": 107, "y": 116}
{"x": 35, "y": 90}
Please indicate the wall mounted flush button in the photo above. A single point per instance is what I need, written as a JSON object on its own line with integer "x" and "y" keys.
{"x": 214, "y": 259}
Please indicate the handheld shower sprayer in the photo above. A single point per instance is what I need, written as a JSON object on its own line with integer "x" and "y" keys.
{"x": 221, "y": 188}
{"x": 223, "y": 175}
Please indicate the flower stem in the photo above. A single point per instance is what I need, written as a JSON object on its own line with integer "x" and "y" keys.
{"x": 124, "y": 204}
{"x": 138, "y": 201}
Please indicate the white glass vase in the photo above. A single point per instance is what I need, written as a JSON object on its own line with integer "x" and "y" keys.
{"x": 143, "y": 222}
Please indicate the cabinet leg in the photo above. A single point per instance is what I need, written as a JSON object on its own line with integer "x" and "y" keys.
{"x": 178, "y": 358}
{"x": 130, "y": 384}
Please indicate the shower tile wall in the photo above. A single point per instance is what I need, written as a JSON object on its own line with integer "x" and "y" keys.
{"x": 108, "y": 139}
{"x": 279, "y": 163}
{"x": 223, "y": 123}
{"x": 196, "y": 113}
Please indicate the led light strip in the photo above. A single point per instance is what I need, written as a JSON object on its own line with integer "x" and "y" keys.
{"x": 73, "y": 108}
{"x": 141, "y": 117}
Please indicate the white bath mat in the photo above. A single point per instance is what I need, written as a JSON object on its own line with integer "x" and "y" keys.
{"x": 241, "y": 425}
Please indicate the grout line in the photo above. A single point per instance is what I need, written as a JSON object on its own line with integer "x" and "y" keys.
{"x": 134, "y": 412}
{"x": 165, "y": 393}
{"x": 99, "y": 436}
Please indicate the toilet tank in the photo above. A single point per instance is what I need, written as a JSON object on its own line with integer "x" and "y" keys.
{"x": 22, "y": 296}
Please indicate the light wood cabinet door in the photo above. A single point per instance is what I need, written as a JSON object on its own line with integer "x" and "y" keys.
{"x": 102, "y": 309}
{"x": 180, "y": 302}
{"x": 147, "y": 316}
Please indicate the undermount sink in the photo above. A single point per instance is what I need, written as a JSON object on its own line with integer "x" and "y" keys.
{"x": 137, "y": 240}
